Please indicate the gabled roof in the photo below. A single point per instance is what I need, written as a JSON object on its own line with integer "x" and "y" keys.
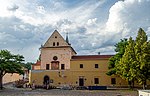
{"x": 57, "y": 40}
{"x": 54, "y": 38}
{"x": 87, "y": 57}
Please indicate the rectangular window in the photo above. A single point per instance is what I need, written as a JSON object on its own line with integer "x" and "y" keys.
{"x": 55, "y": 65}
{"x": 62, "y": 66}
{"x": 96, "y": 65}
{"x": 96, "y": 80}
{"x": 113, "y": 80}
{"x": 47, "y": 66}
{"x": 81, "y": 65}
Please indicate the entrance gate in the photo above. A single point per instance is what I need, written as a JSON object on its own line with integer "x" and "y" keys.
{"x": 46, "y": 80}
{"x": 81, "y": 81}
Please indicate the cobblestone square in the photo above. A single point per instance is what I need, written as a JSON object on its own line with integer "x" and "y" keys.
{"x": 10, "y": 91}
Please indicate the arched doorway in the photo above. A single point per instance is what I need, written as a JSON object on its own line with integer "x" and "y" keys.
{"x": 46, "y": 80}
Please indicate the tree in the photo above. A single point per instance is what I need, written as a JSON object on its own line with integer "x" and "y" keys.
{"x": 126, "y": 66}
{"x": 120, "y": 49}
{"x": 28, "y": 65}
{"x": 10, "y": 63}
{"x": 133, "y": 61}
{"x": 142, "y": 52}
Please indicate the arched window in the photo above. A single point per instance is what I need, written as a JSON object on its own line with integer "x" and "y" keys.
{"x": 53, "y": 43}
{"x": 57, "y": 43}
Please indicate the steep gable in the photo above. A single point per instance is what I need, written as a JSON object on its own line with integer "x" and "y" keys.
{"x": 55, "y": 40}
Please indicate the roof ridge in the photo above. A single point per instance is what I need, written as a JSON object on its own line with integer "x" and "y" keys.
{"x": 94, "y": 55}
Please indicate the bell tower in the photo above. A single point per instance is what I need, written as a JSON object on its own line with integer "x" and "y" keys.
{"x": 67, "y": 39}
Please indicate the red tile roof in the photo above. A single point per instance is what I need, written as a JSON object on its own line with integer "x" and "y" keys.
{"x": 87, "y": 57}
{"x": 38, "y": 63}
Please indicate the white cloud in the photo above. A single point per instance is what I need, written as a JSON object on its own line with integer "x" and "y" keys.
{"x": 12, "y": 7}
{"x": 114, "y": 22}
{"x": 41, "y": 9}
{"x": 91, "y": 21}
{"x": 127, "y": 16}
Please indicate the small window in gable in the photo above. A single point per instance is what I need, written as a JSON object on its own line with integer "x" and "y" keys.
{"x": 55, "y": 36}
{"x": 53, "y": 43}
{"x": 57, "y": 43}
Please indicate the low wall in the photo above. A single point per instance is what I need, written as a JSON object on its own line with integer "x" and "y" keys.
{"x": 11, "y": 78}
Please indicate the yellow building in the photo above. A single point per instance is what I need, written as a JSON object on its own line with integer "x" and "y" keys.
{"x": 59, "y": 65}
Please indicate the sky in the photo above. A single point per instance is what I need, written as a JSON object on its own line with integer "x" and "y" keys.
{"x": 93, "y": 25}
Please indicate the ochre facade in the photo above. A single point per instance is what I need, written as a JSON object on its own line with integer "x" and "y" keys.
{"x": 60, "y": 65}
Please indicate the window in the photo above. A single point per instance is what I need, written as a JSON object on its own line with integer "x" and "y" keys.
{"x": 96, "y": 65}
{"x": 96, "y": 80}
{"x": 113, "y": 80}
{"x": 47, "y": 66}
{"x": 55, "y": 65}
{"x": 55, "y": 36}
{"x": 57, "y": 43}
{"x": 55, "y": 58}
{"x": 53, "y": 43}
{"x": 62, "y": 66}
{"x": 81, "y": 65}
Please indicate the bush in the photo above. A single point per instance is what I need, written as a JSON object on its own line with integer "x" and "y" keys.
{"x": 20, "y": 83}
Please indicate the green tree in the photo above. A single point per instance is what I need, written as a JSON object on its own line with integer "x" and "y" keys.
{"x": 135, "y": 61}
{"x": 120, "y": 49}
{"x": 132, "y": 62}
{"x": 142, "y": 52}
{"x": 126, "y": 66}
{"x": 9, "y": 63}
{"x": 28, "y": 65}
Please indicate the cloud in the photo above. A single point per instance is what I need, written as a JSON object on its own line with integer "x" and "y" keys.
{"x": 123, "y": 21}
{"x": 12, "y": 7}
{"x": 91, "y": 21}
{"x": 126, "y": 16}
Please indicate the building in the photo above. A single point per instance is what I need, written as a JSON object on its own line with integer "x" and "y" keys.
{"x": 7, "y": 78}
{"x": 59, "y": 65}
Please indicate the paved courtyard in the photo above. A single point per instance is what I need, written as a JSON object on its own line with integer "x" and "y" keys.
{"x": 57, "y": 92}
{"x": 10, "y": 91}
